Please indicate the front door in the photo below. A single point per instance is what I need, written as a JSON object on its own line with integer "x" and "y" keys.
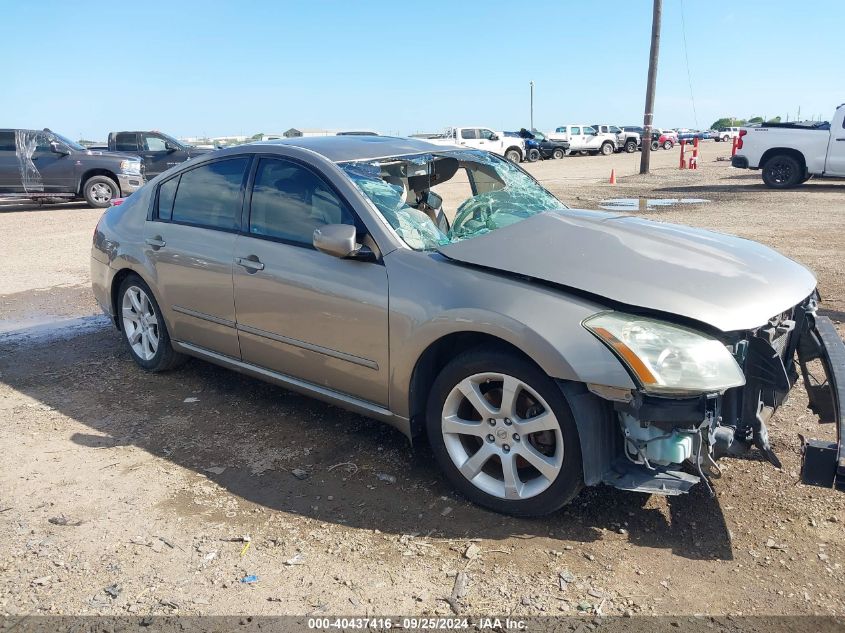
{"x": 157, "y": 157}
{"x": 190, "y": 241}
{"x": 301, "y": 312}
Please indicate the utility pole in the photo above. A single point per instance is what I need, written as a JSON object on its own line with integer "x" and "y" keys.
{"x": 648, "y": 116}
{"x": 531, "y": 83}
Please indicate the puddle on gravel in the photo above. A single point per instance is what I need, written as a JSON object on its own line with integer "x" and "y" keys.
{"x": 646, "y": 204}
{"x": 48, "y": 328}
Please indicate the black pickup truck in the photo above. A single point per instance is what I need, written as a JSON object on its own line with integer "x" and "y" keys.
{"x": 41, "y": 165}
{"x": 159, "y": 151}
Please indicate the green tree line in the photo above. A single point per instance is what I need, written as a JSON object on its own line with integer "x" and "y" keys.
{"x": 727, "y": 121}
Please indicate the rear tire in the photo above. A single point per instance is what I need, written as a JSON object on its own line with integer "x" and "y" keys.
{"x": 783, "y": 172}
{"x": 143, "y": 328}
{"x": 668, "y": 145}
{"x": 630, "y": 146}
{"x": 655, "y": 145}
{"x": 99, "y": 191}
{"x": 606, "y": 149}
{"x": 501, "y": 473}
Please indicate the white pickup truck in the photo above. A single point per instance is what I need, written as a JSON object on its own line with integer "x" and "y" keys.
{"x": 510, "y": 147}
{"x": 790, "y": 153}
{"x": 584, "y": 138}
{"x": 625, "y": 140}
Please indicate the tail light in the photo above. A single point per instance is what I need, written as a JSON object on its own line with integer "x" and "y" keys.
{"x": 739, "y": 139}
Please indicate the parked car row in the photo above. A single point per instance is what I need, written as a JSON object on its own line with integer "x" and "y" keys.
{"x": 42, "y": 165}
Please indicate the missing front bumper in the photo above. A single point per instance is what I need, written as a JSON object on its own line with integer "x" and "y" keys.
{"x": 823, "y": 463}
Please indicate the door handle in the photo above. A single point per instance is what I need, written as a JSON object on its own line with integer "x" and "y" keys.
{"x": 156, "y": 242}
{"x": 251, "y": 263}
{"x": 840, "y": 139}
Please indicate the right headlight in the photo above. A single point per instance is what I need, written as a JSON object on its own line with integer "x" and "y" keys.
{"x": 667, "y": 359}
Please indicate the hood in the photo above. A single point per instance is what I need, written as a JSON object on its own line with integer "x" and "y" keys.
{"x": 115, "y": 155}
{"x": 724, "y": 281}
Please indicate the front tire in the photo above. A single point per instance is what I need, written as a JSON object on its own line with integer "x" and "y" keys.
{"x": 143, "y": 327}
{"x": 630, "y": 146}
{"x": 783, "y": 172}
{"x": 606, "y": 149}
{"x": 513, "y": 155}
{"x": 99, "y": 191}
{"x": 533, "y": 155}
{"x": 503, "y": 433}
{"x": 558, "y": 154}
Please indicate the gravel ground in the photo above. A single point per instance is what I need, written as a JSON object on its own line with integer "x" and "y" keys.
{"x": 144, "y": 494}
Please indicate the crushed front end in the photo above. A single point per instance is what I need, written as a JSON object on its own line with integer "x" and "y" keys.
{"x": 669, "y": 440}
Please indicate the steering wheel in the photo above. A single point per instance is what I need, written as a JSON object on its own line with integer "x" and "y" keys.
{"x": 485, "y": 211}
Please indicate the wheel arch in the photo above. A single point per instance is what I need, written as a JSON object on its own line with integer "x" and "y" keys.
{"x": 97, "y": 171}
{"x": 117, "y": 280}
{"x": 783, "y": 151}
{"x": 517, "y": 149}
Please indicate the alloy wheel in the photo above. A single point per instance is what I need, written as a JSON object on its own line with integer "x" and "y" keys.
{"x": 502, "y": 436}
{"x": 101, "y": 192}
{"x": 140, "y": 323}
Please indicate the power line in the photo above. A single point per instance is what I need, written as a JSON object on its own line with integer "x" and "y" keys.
{"x": 686, "y": 57}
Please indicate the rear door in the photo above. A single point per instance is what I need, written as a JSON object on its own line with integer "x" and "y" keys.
{"x": 576, "y": 138}
{"x": 190, "y": 240}
{"x": 470, "y": 137}
{"x": 10, "y": 173}
{"x": 304, "y": 313}
{"x": 835, "y": 165}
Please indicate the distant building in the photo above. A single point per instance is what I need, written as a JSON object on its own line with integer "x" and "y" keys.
{"x": 296, "y": 133}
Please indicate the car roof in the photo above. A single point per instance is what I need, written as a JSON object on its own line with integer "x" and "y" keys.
{"x": 340, "y": 149}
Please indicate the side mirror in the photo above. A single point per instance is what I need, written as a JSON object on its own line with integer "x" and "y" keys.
{"x": 339, "y": 240}
{"x": 495, "y": 137}
{"x": 58, "y": 148}
{"x": 169, "y": 147}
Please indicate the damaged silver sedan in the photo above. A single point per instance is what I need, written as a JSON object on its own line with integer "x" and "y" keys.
{"x": 447, "y": 293}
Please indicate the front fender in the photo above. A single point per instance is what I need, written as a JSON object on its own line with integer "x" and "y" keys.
{"x": 431, "y": 298}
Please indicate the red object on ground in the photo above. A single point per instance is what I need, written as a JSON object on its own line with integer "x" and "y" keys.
{"x": 683, "y": 147}
{"x": 693, "y": 161}
{"x": 117, "y": 202}
{"x": 612, "y": 176}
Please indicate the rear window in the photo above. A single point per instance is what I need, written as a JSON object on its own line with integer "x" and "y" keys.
{"x": 125, "y": 142}
{"x": 210, "y": 195}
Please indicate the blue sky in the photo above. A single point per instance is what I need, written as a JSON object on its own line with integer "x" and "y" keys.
{"x": 215, "y": 68}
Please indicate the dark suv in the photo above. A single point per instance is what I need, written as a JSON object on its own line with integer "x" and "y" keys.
{"x": 41, "y": 165}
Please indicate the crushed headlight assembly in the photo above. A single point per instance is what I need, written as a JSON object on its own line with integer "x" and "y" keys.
{"x": 667, "y": 359}
{"x": 132, "y": 167}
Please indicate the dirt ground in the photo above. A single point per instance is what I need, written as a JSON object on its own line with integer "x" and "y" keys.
{"x": 125, "y": 492}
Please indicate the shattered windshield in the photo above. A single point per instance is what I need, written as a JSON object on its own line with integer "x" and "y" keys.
{"x": 435, "y": 199}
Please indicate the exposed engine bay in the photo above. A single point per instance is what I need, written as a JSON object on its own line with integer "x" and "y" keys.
{"x": 667, "y": 445}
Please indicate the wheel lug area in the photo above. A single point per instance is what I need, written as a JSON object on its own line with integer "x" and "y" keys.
{"x": 506, "y": 448}
{"x": 508, "y": 422}
{"x": 516, "y": 437}
{"x": 491, "y": 422}
{"x": 490, "y": 438}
